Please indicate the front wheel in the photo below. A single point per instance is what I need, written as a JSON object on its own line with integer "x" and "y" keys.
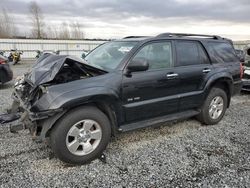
{"x": 81, "y": 135}
{"x": 214, "y": 107}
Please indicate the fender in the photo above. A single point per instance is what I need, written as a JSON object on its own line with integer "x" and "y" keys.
{"x": 74, "y": 98}
{"x": 220, "y": 77}
{"x": 78, "y": 97}
{"x": 96, "y": 95}
{"x": 56, "y": 100}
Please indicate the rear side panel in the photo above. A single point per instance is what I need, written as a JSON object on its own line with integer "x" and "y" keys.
{"x": 224, "y": 59}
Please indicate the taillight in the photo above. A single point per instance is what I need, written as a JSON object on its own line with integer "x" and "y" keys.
{"x": 241, "y": 71}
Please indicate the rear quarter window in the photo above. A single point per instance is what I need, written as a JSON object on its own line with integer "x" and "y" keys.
{"x": 221, "y": 52}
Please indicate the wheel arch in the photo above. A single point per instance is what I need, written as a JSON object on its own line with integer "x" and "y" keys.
{"x": 224, "y": 83}
{"x": 107, "y": 104}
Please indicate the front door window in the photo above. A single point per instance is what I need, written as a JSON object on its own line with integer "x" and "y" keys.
{"x": 158, "y": 55}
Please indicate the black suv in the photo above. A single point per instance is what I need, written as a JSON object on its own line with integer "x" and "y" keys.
{"x": 124, "y": 85}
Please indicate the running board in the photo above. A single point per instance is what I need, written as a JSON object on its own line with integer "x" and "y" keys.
{"x": 158, "y": 120}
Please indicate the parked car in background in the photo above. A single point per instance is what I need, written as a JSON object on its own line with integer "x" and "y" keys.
{"x": 125, "y": 85}
{"x": 6, "y": 73}
{"x": 240, "y": 54}
{"x": 246, "y": 76}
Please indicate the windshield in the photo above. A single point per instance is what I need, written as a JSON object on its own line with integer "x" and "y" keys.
{"x": 109, "y": 55}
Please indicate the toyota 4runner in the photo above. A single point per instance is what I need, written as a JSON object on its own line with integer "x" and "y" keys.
{"x": 124, "y": 85}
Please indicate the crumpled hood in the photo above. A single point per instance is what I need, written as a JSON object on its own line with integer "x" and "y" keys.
{"x": 47, "y": 66}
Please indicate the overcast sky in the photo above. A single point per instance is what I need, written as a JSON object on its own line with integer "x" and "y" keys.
{"x": 118, "y": 18}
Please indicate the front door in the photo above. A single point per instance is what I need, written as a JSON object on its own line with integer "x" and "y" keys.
{"x": 153, "y": 92}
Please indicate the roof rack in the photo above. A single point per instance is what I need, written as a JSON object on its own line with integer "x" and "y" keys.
{"x": 189, "y": 35}
{"x": 133, "y": 37}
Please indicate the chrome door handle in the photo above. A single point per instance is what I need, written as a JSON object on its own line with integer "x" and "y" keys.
{"x": 206, "y": 70}
{"x": 172, "y": 75}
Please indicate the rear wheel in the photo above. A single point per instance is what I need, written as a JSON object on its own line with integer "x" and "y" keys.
{"x": 81, "y": 136}
{"x": 214, "y": 107}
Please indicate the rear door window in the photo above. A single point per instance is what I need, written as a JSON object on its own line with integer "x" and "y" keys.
{"x": 190, "y": 53}
{"x": 221, "y": 52}
{"x": 203, "y": 55}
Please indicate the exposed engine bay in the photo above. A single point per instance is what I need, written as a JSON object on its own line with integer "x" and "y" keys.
{"x": 73, "y": 70}
{"x": 52, "y": 70}
{"x": 68, "y": 74}
{"x": 56, "y": 69}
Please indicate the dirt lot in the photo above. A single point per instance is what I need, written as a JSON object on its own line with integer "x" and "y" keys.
{"x": 183, "y": 154}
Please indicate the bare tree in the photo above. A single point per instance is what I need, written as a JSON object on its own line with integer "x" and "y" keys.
{"x": 64, "y": 32}
{"x": 7, "y": 27}
{"x": 37, "y": 20}
{"x": 3, "y": 31}
{"x": 76, "y": 31}
{"x": 51, "y": 32}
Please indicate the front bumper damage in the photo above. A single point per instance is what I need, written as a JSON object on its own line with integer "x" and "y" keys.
{"x": 19, "y": 117}
{"x": 16, "y": 116}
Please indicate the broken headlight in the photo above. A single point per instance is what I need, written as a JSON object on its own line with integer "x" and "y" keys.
{"x": 19, "y": 82}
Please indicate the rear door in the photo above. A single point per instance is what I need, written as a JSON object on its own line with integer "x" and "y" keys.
{"x": 153, "y": 92}
{"x": 193, "y": 67}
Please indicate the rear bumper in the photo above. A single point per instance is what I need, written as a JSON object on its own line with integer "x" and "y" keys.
{"x": 237, "y": 86}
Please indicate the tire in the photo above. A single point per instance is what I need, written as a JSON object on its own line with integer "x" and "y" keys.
{"x": 206, "y": 115}
{"x": 64, "y": 144}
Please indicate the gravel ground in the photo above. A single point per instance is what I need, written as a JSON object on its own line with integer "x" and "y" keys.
{"x": 182, "y": 154}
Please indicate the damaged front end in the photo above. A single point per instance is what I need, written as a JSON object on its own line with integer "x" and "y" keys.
{"x": 31, "y": 97}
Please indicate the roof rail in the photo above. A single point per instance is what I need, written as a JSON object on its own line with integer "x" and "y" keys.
{"x": 133, "y": 37}
{"x": 189, "y": 35}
